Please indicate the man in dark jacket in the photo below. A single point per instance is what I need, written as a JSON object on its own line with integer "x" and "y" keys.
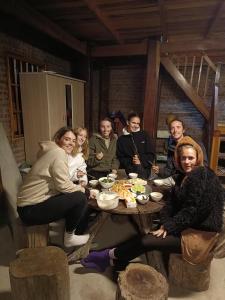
{"x": 134, "y": 148}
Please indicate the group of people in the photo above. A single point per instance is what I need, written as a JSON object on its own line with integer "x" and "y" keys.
{"x": 56, "y": 186}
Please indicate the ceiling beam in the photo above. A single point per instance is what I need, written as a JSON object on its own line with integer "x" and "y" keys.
{"x": 104, "y": 19}
{"x": 212, "y": 22}
{"x": 163, "y": 20}
{"x": 28, "y": 15}
{"x": 169, "y": 47}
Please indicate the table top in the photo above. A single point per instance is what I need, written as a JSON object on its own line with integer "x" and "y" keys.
{"x": 148, "y": 208}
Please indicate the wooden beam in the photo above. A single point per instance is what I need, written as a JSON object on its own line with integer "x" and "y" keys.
{"x": 104, "y": 19}
{"x": 209, "y": 62}
{"x": 166, "y": 47}
{"x": 185, "y": 86}
{"x": 28, "y": 15}
{"x": 163, "y": 20}
{"x": 151, "y": 103}
{"x": 212, "y": 22}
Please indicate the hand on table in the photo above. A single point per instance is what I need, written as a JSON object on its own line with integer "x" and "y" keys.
{"x": 136, "y": 160}
{"x": 160, "y": 232}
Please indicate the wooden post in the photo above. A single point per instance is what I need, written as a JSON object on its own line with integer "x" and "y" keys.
{"x": 40, "y": 273}
{"x": 151, "y": 103}
{"x": 140, "y": 281}
{"x": 185, "y": 275}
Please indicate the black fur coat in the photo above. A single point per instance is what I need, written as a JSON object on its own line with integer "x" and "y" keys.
{"x": 196, "y": 202}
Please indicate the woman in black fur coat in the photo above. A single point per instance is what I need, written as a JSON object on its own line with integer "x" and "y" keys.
{"x": 195, "y": 202}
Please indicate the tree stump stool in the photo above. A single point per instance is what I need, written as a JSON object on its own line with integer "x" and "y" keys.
{"x": 32, "y": 236}
{"x": 219, "y": 251}
{"x": 140, "y": 281}
{"x": 185, "y": 275}
{"x": 40, "y": 273}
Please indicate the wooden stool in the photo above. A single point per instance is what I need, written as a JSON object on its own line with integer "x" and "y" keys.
{"x": 140, "y": 281}
{"x": 33, "y": 236}
{"x": 192, "y": 277}
{"x": 40, "y": 273}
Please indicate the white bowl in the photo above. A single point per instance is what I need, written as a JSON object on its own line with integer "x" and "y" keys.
{"x": 112, "y": 175}
{"x": 106, "y": 183}
{"x": 133, "y": 175}
{"x": 156, "y": 196}
{"x": 142, "y": 199}
{"x": 158, "y": 182}
{"x": 93, "y": 182}
{"x": 107, "y": 200}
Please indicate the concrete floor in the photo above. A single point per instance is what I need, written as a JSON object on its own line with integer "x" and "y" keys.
{"x": 88, "y": 284}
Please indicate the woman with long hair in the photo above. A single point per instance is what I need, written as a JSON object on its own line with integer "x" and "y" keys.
{"x": 102, "y": 146}
{"x": 76, "y": 160}
{"x": 48, "y": 194}
{"x": 196, "y": 203}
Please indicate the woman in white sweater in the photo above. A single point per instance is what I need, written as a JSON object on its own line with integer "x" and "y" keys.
{"x": 76, "y": 160}
{"x": 48, "y": 194}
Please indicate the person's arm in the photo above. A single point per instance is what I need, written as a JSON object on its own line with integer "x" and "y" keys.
{"x": 92, "y": 159}
{"x": 148, "y": 156}
{"x": 60, "y": 174}
{"x": 125, "y": 161}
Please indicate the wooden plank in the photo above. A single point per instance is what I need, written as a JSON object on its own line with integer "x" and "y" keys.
{"x": 104, "y": 19}
{"x": 26, "y": 13}
{"x": 212, "y": 22}
{"x": 151, "y": 104}
{"x": 185, "y": 86}
{"x": 209, "y": 62}
{"x": 166, "y": 47}
{"x": 163, "y": 20}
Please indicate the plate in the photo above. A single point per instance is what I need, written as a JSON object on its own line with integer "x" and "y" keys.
{"x": 138, "y": 181}
{"x": 138, "y": 189}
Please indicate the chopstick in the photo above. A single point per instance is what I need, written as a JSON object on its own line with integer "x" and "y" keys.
{"x": 87, "y": 174}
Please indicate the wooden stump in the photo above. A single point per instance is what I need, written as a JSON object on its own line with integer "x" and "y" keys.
{"x": 140, "y": 281}
{"x": 185, "y": 275}
{"x": 32, "y": 236}
{"x": 40, "y": 273}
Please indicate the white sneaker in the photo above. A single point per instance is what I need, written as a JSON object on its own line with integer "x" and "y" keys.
{"x": 71, "y": 239}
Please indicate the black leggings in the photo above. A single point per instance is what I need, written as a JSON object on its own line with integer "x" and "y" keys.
{"x": 71, "y": 206}
{"x": 139, "y": 245}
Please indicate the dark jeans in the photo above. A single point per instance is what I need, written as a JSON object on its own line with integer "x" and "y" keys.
{"x": 141, "y": 244}
{"x": 71, "y": 206}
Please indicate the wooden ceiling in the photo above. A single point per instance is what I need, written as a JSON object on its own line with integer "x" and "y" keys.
{"x": 122, "y": 27}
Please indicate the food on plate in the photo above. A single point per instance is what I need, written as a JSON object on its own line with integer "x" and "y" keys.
{"x": 138, "y": 181}
{"x": 106, "y": 182}
{"x": 107, "y": 200}
{"x": 142, "y": 199}
{"x": 130, "y": 202}
{"x": 122, "y": 190}
{"x": 138, "y": 189}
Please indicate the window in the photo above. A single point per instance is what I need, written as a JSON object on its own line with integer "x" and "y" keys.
{"x": 15, "y": 66}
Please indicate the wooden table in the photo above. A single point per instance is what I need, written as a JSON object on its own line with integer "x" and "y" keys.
{"x": 142, "y": 214}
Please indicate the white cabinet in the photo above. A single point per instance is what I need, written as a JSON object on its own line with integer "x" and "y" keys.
{"x": 49, "y": 101}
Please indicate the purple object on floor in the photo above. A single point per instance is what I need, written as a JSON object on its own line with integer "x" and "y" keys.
{"x": 98, "y": 260}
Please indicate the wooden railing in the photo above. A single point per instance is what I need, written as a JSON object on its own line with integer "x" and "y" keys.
{"x": 198, "y": 70}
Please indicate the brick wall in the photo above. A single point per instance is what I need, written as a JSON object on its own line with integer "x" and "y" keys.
{"x": 126, "y": 93}
{"x": 9, "y": 45}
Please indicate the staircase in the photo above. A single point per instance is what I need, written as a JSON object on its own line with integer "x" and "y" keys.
{"x": 187, "y": 70}
{"x": 197, "y": 75}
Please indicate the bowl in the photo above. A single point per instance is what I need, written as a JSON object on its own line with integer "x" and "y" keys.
{"x": 106, "y": 182}
{"x": 94, "y": 192}
{"x": 112, "y": 175}
{"x": 158, "y": 182}
{"x": 142, "y": 199}
{"x": 156, "y": 196}
{"x": 133, "y": 175}
{"x": 93, "y": 183}
{"x": 107, "y": 200}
